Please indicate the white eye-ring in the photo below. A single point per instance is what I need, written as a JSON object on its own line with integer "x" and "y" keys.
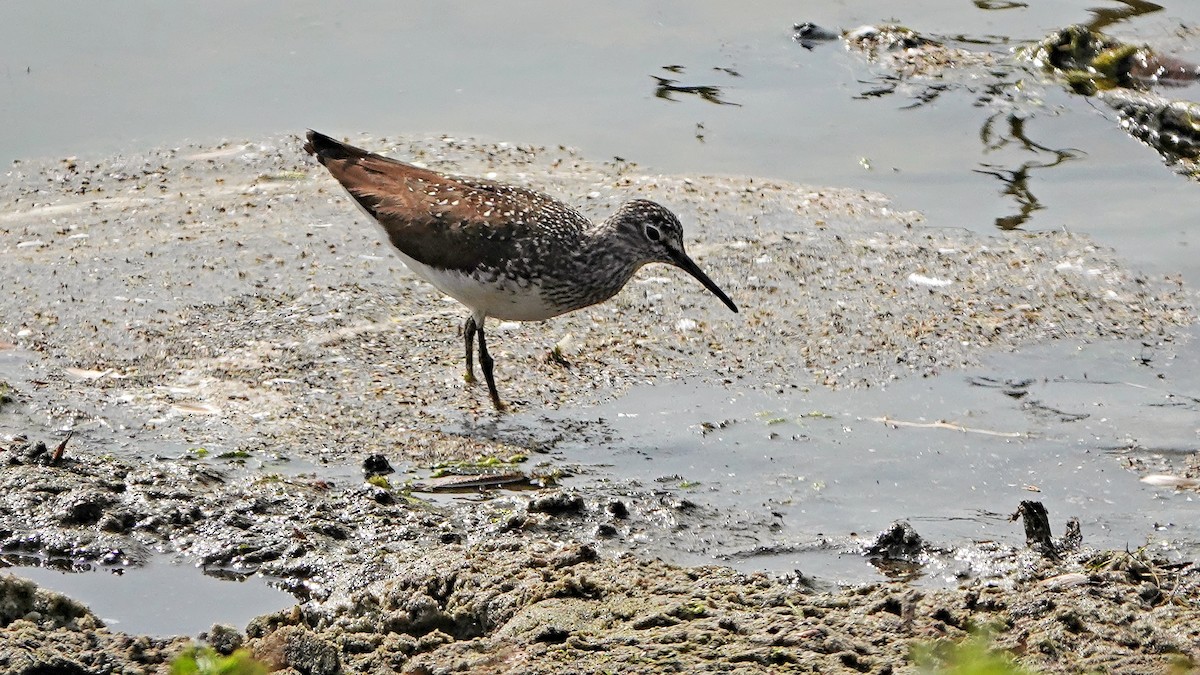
{"x": 652, "y": 233}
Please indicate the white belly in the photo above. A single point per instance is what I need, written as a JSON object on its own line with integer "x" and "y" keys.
{"x": 503, "y": 299}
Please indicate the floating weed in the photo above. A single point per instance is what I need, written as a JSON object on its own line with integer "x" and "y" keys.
{"x": 548, "y": 475}
{"x": 688, "y": 484}
{"x": 707, "y": 428}
{"x": 478, "y": 465}
{"x": 410, "y": 499}
{"x": 206, "y": 661}
{"x": 1114, "y": 63}
{"x": 404, "y": 494}
{"x": 380, "y": 482}
{"x": 234, "y": 454}
{"x": 770, "y": 418}
{"x": 197, "y": 453}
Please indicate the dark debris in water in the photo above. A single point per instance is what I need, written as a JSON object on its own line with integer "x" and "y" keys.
{"x": 667, "y": 89}
{"x": 898, "y": 542}
{"x": 376, "y": 465}
{"x": 473, "y": 482}
{"x": 1135, "y": 80}
{"x": 809, "y": 34}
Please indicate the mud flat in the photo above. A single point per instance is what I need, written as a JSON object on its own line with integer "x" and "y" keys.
{"x": 228, "y": 341}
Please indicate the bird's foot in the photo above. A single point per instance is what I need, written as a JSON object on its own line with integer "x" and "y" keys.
{"x": 469, "y": 377}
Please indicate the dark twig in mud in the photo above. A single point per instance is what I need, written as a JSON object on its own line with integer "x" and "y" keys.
{"x": 57, "y": 456}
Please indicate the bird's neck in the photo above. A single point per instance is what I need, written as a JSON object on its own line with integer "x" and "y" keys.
{"x": 606, "y": 259}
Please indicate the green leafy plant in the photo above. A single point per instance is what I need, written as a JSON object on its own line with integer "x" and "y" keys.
{"x": 973, "y": 655}
{"x": 197, "y": 660}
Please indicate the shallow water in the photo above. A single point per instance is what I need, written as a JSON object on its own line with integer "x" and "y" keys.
{"x": 838, "y": 466}
{"x": 163, "y": 598}
{"x": 582, "y": 75}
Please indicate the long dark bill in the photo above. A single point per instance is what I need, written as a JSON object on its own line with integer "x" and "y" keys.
{"x": 685, "y": 263}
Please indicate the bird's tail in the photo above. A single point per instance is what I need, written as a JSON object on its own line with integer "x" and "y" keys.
{"x": 325, "y": 148}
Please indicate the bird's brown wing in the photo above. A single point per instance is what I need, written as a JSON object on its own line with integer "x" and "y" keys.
{"x": 440, "y": 220}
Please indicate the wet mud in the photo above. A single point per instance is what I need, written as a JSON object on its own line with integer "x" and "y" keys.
{"x": 227, "y": 341}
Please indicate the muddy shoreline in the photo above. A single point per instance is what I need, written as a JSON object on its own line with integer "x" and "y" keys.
{"x": 226, "y": 299}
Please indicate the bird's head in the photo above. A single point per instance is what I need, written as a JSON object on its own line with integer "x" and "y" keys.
{"x": 656, "y": 234}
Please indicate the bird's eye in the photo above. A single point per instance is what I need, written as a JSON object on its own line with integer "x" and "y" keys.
{"x": 652, "y": 233}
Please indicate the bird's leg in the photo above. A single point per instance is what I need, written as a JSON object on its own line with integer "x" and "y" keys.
{"x": 485, "y": 360}
{"x": 469, "y": 329}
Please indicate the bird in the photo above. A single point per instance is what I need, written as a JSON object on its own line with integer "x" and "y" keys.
{"x": 505, "y": 252}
